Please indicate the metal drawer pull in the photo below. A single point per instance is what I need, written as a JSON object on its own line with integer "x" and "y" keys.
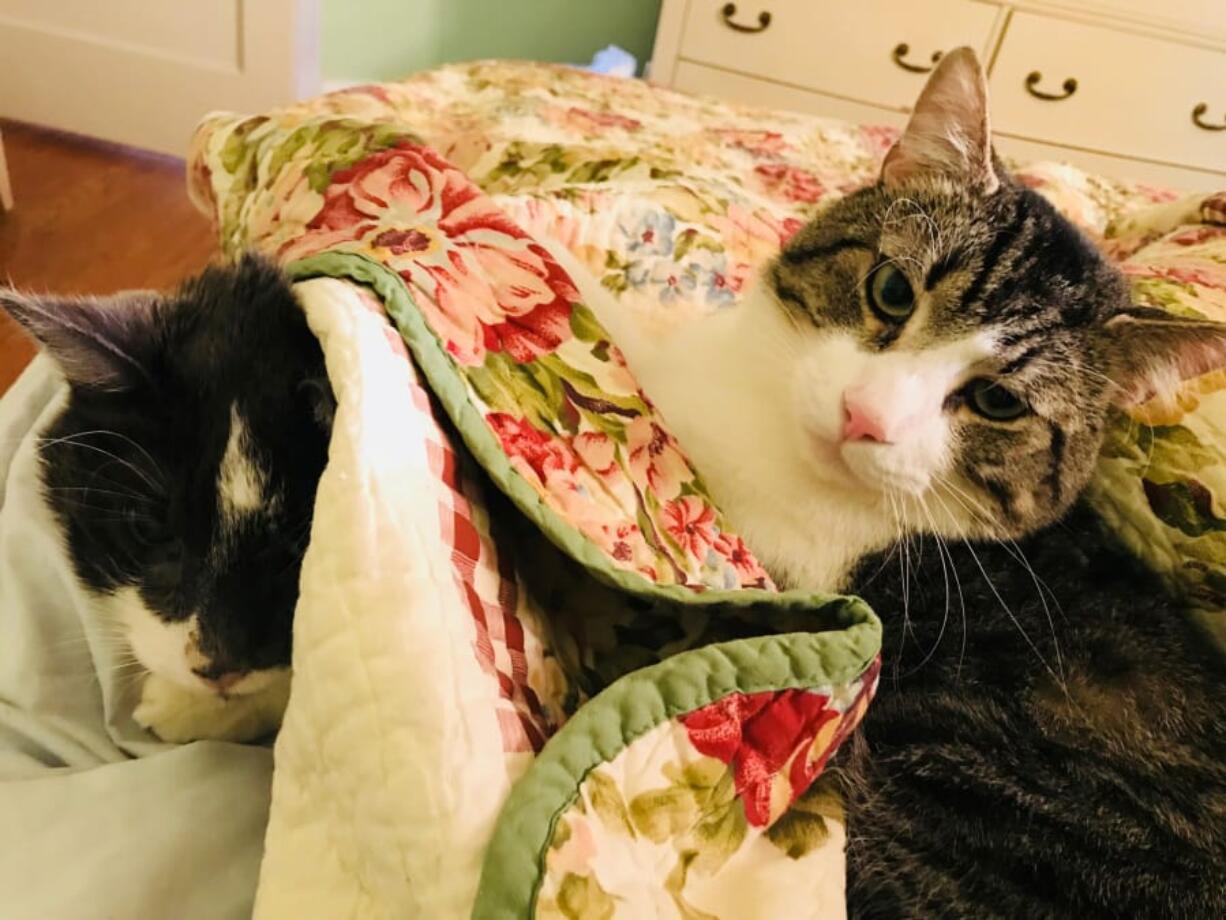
{"x": 1204, "y": 125}
{"x": 903, "y": 50}
{"x": 1032, "y": 81}
{"x": 729, "y": 10}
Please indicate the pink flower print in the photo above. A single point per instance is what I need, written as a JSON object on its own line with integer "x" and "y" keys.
{"x": 691, "y": 522}
{"x": 656, "y": 463}
{"x": 789, "y": 182}
{"x": 597, "y": 451}
{"x": 733, "y": 548}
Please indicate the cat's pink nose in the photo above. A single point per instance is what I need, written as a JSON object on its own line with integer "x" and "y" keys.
{"x": 861, "y": 420}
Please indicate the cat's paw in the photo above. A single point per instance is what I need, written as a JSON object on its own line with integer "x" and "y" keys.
{"x": 179, "y": 715}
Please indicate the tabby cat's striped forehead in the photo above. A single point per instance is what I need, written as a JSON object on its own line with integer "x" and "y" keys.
{"x": 1007, "y": 259}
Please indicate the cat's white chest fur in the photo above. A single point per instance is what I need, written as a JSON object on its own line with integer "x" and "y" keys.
{"x": 726, "y": 387}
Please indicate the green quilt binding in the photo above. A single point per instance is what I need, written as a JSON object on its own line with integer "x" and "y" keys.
{"x": 633, "y": 705}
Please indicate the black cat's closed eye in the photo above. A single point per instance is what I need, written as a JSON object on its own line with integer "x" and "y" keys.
{"x": 146, "y": 530}
{"x": 890, "y": 294}
{"x": 993, "y": 401}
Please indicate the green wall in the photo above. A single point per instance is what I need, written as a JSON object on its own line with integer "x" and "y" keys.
{"x": 385, "y": 39}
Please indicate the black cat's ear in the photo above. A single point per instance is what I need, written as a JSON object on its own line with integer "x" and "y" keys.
{"x": 948, "y": 133}
{"x": 322, "y": 401}
{"x": 95, "y": 341}
{"x": 1151, "y": 351}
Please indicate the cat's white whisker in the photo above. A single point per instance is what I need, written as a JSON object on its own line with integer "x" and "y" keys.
{"x": 961, "y": 597}
{"x": 75, "y": 441}
{"x": 1011, "y": 547}
{"x": 945, "y": 574}
{"x": 1057, "y": 676}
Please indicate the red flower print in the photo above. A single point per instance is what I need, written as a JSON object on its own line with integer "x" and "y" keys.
{"x": 733, "y": 548}
{"x": 808, "y": 764}
{"x": 788, "y": 228}
{"x": 593, "y": 121}
{"x": 598, "y": 451}
{"x": 758, "y": 143}
{"x": 1157, "y": 194}
{"x": 757, "y": 734}
{"x": 486, "y": 286}
{"x": 532, "y": 282}
{"x": 789, "y": 182}
{"x": 1202, "y": 276}
{"x": 691, "y": 521}
{"x": 1190, "y": 236}
{"x": 364, "y": 89}
{"x": 543, "y": 453}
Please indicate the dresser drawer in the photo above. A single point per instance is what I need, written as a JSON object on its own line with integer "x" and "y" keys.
{"x": 1112, "y": 92}
{"x": 848, "y": 48}
{"x": 763, "y": 94}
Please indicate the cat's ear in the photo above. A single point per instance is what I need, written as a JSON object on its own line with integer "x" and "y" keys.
{"x": 1151, "y": 351}
{"x": 95, "y": 341}
{"x": 322, "y": 401}
{"x": 948, "y": 132}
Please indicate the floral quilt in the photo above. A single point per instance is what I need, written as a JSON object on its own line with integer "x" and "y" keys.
{"x": 689, "y": 706}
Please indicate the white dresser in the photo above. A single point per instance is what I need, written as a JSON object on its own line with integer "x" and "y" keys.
{"x": 1128, "y": 88}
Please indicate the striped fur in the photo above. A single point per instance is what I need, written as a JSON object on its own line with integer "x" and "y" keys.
{"x": 1083, "y": 776}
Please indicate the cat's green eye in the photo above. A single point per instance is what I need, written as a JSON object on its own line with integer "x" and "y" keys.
{"x": 890, "y": 294}
{"x": 991, "y": 400}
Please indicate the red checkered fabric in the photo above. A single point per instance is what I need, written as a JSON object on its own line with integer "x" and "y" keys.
{"x": 484, "y": 577}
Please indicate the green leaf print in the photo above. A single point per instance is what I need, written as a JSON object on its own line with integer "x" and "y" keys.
{"x": 607, "y": 802}
{"x": 235, "y": 149}
{"x": 585, "y": 326}
{"x": 1170, "y": 295}
{"x": 561, "y": 834}
{"x": 597, "y": 170}
{"x": 675, "y": 886}
{"x": 502, "y": 386}
{"x": 284, "y": 151}
{"x": 591, "y": 394}
{"x": 616, "y": 283}
{"x": 338, "y": 144}
{"x": 702, "y": 775}
{"x": 580, "y": 897}
{"x": 802, "y": 828}
{"x": 664, "y": 813}
{"x": 1185, "y": 505}
{"x": 721, "y": 831}
{"x": 1174, "y": 447}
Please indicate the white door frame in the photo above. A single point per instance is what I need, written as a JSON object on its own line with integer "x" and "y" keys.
{"x": 105, "y": 87}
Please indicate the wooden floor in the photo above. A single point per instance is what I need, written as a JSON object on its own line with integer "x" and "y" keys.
{"x": 91, "y": 218}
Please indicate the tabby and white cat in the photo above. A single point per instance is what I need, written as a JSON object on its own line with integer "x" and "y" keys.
{"x": 935, "y": 355}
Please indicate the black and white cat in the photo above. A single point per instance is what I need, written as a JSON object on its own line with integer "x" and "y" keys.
{"x": 183, "y": 471}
